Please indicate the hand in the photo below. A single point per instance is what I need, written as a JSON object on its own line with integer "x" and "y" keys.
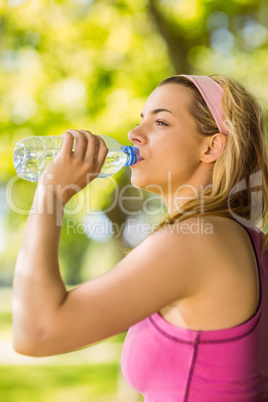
{"x": 71, "y": 170}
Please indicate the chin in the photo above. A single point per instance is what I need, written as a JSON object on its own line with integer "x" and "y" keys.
{"x": 136, "y": 182}
{"x": 146, "y": 185}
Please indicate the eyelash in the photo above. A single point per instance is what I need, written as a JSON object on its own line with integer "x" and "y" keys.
{"x": 161, "y": 122}
{"x": 158, "y": 122}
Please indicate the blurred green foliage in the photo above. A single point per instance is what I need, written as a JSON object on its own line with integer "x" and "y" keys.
{"x": 70, "y": 64}
{"x": 91, "y": 64}
{"x": 59, "y": 383}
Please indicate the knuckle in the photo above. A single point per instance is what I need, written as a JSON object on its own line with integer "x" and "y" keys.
{"x": 83, "y": 138}
{"x": 103, "y": 145}
{"x": 106, "y": 149}
{"x": 67, "y": 134}
{"x": 88, "y": 165}
{"x": 72, "y": 132}
{"x": 93, "y": 143}
{"x": 92, "y": 138}
{"x": 86, "y": 132}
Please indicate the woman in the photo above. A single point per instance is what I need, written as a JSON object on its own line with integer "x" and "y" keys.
{"x": 195, "y": 301}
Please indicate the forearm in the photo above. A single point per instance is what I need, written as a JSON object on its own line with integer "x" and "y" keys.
{"x": 39, "y": 292}
{"x": 38, "y": 289}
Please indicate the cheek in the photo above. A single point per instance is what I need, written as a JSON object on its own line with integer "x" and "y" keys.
{"x": 173, "y": 160}
{"x": 181, "y": 153}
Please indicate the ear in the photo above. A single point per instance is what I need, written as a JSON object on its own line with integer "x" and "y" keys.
{"x": 213, "y": 147}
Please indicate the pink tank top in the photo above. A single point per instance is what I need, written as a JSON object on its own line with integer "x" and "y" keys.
{"x": 167, "y": 363}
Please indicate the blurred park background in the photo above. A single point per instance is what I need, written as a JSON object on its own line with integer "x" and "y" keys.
{"x": 91, "y": 64}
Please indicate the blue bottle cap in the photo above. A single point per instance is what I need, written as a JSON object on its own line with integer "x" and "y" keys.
{"x": 133, "y": 153}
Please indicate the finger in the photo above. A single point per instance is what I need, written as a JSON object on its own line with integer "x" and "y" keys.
{"x": 102, "y": 153}
{"x": 93, "y": 146}
{"x": 80, "y": 144}
{"x": 67, "y": 144}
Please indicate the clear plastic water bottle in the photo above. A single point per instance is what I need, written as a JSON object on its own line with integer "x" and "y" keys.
{"x": 33, "y": 154}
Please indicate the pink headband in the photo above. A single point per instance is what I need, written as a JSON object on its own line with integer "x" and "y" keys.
{"x": 212, "y": 94}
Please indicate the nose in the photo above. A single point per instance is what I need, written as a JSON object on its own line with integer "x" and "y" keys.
{"x": 136, "y": 136}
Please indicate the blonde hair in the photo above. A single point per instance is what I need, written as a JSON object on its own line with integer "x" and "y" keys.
{"x": 242, "y": 168}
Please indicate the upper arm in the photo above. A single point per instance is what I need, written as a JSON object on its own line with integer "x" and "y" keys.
{"x": 158, "y": 271}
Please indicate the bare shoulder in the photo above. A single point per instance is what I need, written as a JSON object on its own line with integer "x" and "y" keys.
{"x": 208, "y": 241}
{"x": 193, "y": 233}
{"x": 222, "y": 262}
{"x": 223, "y": 235}
{"x": 180, "y": 238}
{"x": 183, "y": 239}
{"x": 189, "y": 247}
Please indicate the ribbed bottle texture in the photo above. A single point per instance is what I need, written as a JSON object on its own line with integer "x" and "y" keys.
{"x": 33, "y": 154}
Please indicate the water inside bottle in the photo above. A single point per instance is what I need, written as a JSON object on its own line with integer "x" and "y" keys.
{"x": 31, "y": 160}
{"x": 113, "y": 163}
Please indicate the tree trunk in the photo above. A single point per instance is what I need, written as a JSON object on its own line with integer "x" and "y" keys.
{"x": 174, "y": 38}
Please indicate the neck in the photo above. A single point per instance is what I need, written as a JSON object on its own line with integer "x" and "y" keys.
{"x": 175, "y": 197}
{"x": 174, "y": 203}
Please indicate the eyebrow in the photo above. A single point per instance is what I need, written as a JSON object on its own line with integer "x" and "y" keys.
{"x": 155, "y": 111}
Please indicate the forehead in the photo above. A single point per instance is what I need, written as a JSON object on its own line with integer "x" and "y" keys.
{"x": 170, "y": 96}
